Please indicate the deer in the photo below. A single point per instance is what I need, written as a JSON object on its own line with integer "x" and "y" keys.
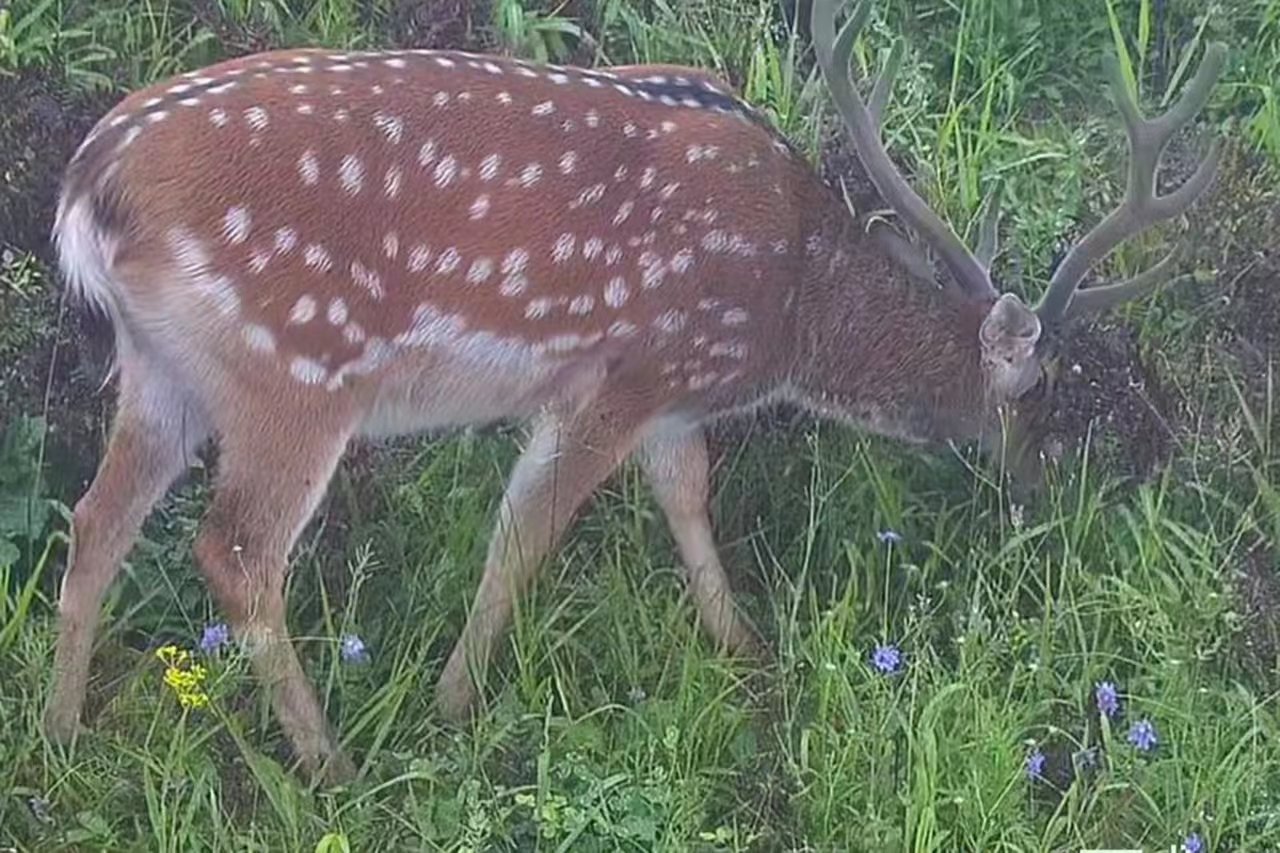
{"x": 302, "y": 248}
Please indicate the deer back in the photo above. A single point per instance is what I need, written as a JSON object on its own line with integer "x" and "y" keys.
{"x": 321, "y": 218}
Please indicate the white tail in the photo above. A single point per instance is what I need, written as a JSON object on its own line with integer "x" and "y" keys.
{"x": 303, "y": 247}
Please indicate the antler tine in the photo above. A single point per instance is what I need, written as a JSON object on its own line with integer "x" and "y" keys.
{"x": 864, "y": 128}
{"x": 884, "y": 82}
{"x": 1098, "y": 299}
{"x": 988, "y": 232}
{"x": 1141, "y": 207}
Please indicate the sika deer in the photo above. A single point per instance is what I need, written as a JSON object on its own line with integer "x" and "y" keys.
{"x": 299, "y": 248}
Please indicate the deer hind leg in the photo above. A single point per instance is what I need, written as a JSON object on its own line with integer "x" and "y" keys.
{"x": 565, "y": 461}
{"x": 271, "y": 477}
{"x": 154, "y": 435}
{"x": 677, "y": 469}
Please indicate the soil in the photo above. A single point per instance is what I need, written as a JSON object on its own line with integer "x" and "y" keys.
{"x": 41, "y": 351}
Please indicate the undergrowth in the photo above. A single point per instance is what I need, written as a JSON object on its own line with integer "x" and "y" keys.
{"x": 953, "y": 671}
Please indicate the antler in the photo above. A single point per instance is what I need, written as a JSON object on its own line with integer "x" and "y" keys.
{"x": 970, "y": 272}
{"x": 1141, "y": 207}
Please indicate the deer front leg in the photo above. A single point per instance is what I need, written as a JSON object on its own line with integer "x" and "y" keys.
{"x": 567, "y": 458}
{"x": 271, "y": 477}
{"x": 677, "y": 469}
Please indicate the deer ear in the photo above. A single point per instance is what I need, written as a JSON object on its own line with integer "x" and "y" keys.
{"x": 1009, "y": 335}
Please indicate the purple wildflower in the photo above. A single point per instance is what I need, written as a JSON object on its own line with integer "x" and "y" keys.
{"x": 1034, "y": 764}
{"x": 1142, "y": 734}
{"x": 214, "y": 636}
{"x": 886, "y": 658}
{"x": 352, "y": 649}
{"x": 889, "y": 536}
{"x": 1104, "y": 693}
{"x": 1192, "y": 843}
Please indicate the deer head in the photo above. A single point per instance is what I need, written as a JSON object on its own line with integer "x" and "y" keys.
{"x": 1014, "y": 339}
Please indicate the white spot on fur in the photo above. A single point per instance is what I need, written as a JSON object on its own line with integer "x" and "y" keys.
{"x": 480, "y": 207}
{"x": 583, "y": 304}
{"x": 317, "y": 257}
{"x": 218, "y": 116}
{"x": 257, "y": 118}
{"x": 624, "y": 210}
{"x": 351, "y": 174}
{"x": 568, "y": 162}
{"x": 448, "y": 261}
{"x": 544, "y": 109}
{"x": 391, "y": 181}
{"x": 367, "y": 278}
{"x": 391, "y": 126}
{"x": 427, "y": 153}
{"x": 258, "y": 260}
{"x": 530, "y": 175}
{"x": 695, "y": 153}
{"x": 616, "y": 292}
{"x": 536, "y": 308}
{"x": 734, "y": 317}
{"x": 391, "y": 245}
{"x": 235, "y": 224}
{"x": 592, "y": 247}
{"x": 446, "y": 170}
{"x": 309, "y": 167}
{"x": 337, "y": 313}
{"x": 562, "y": 249}
{"x": 419, "y": 257}
{"x": 590, "y": 195}
{"x": 622, "y": 329}
{"x": 670, "y": 321}
{"x": 489, "y": 167}
{"x": 353, "y": 333}
{"x": 480, "y": 270}
{"x": 286, "y": 239}
{"x": 303, "y": 311}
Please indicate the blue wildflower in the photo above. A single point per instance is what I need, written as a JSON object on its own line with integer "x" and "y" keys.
{"x": 1034, "y": 764}
{"x": 1104, "y": 693}
{"x": 886, "y": 658}
{"x": 889, "y": 536}
{"x": 214, "y": 636}
{"x": 1192, "y": 843}
{"x": 352, "y": 649}
{"x": 1142, "y": 734}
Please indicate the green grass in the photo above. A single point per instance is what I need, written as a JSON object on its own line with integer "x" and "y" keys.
{"x": 610, "y": 723}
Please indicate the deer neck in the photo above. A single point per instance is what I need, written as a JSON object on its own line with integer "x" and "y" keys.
{"x": 879, "y": 348}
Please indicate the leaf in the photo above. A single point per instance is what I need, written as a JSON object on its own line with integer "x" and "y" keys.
{"x": 21, "y": 515}
{"x": 9, "y": 554}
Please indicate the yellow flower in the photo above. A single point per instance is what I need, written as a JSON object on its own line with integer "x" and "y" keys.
{"x": 184, "y": 676}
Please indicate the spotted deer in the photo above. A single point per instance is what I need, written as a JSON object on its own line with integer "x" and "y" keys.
{"x": 305, "y": 247}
